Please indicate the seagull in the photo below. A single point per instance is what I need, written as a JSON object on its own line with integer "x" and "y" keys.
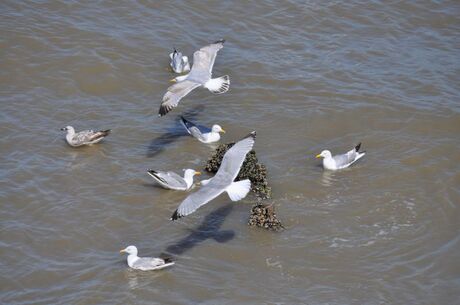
{"x": 202, "y": 134}
{"x": 341, "y": 161}
{"x": 222, "y": 181}
{"x": 145, "y": 263}
{"x": 179, "y": 63}
{"x": 172, "y": 181}
{"x": 200, "y": 75}
{"x": 85, "y": 137}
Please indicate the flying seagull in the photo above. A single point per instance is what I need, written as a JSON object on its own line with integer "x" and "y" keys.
{"x": 145, "y": 263}
{"x": 341, "y": 161}
{"x": 172, "y": 181}
{"x": 222, "y": 181}
{"x": 202, "y": 134}
{"x": 200, "y": 75}
{"x": 179, "y": 63}
{"x": 85, "y": 137}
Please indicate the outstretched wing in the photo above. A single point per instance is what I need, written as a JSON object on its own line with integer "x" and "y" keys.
{"x": 203, "y": 59}
{"x": 231, "y": 164}
{"x": 175, "y": 93}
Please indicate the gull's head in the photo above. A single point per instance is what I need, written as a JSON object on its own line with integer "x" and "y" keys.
{"x": 324, "y": 154}
{"x": 67, "y": 128}
{"x": 217, "y": 128}
{"x": 191, "y": 172}
{"x": 131, "y": 250}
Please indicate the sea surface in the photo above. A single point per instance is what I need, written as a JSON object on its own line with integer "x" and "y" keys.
{"x": 307, "y": 76}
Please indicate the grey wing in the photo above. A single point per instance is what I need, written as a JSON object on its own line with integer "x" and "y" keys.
{"x": 84, "y": 136}
{"x": 234, "y": 158}
{"x": 204, "y": 58}
{"x": 148, "y": 263}
{"x": 345, "y": 159}
{"x": 193, "y": 129}
{"x": 172, "y": 179}
{"x": 205, "y": 194}
{"x": 175, "y": 93}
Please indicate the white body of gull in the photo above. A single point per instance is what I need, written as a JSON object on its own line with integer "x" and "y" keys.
{"x": 341, "y": 161}
{"x": 172, "y": 181}
{"x": 202, "y": 134}
{"x": 145, "y": 263}
{"x": 179, "y": 63}
{"x": 223, "y": 181}
{"x": 85, "y": 137}
{"x": 199, "y": 76}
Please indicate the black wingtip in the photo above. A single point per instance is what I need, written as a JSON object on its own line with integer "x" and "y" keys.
{"x": 220, "y": 41}
{"x": 252, "y": 134}
{"x": 357, "y": 147}
{"x": 107, "y": 131}
{"x": 168, "y": 260}
{"x": 175, "y": 216}
{"x": 151, "y": 172}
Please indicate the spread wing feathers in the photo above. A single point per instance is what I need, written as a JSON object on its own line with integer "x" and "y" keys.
{"x": 89, "y": 136}
{"x": 151, "y": 263}
{"x": 239, "y": 189}
{"x": 231, "y": 163}
{"x": 203, "y": 59}
{"x": 175, "y": 93}
{"x": 234, "y": 158}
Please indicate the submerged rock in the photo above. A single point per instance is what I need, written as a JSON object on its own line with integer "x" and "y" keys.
{"x": 264, "y": 216}
{"x": 251, "y": 169}
{"x": 261, "y": 215}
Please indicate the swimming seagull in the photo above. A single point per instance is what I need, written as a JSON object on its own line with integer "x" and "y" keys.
{"x": 145, "y": 263}
{"x": 85, "y": 137}
{"x": 172, "y": 181}
{"x": 179, "y": 63}
{"x": 222, "y": 181}
{"x": 200, "y": 75}
{"x": 203, "y": 134}
{"x": 341, "y": 161}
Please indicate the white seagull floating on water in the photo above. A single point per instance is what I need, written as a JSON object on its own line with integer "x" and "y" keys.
{"x": 145, "y": 263}
{"x": 223, "y": 181}
{"x": 341, "y": 161}
{"x": 172, "y": 181}
{"x": 202, "y": 134}
{"x": 200, "y": 75}
{"x": 85, "y": 137}
{"x": 179, "y": 63}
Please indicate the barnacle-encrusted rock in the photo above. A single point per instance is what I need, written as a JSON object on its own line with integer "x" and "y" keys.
{"x": 251, "y": 169}
{"x": 264, "y": 216}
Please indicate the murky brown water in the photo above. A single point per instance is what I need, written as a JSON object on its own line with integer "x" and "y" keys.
{"x": 306, "y": 76}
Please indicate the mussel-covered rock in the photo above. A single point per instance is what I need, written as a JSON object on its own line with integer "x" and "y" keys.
{"x": 264, "y": 216}
{"x": 251, "y": 169}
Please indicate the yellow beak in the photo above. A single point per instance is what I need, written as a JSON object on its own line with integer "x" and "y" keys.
{"x": 318, "y": 156}
{"x": 172, "y": 80}
{"x": 122, "y": 251}
{"x": 197, "y": 173}
{"x": 223, "y": 131}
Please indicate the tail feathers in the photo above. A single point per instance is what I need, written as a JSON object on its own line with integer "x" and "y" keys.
{"x": 175, "y": 216}
{"x": 357, "y": 147}
{"x": 218, "y": 85}
{"x": 219, "y": 41}
{"x": 238, "y": 190}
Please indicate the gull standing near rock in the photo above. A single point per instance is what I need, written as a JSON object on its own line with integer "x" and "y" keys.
{"x": 200, "y": 75}
{"x": 202, "y": 134}
{"x": 172, "y": 181}
{"x": 145, "y": 263}
{"x": 85, "y": 137}
{"x": 179, "y": 63}
{"x": 223, "y": 180}
{"x": 341, "y": 161}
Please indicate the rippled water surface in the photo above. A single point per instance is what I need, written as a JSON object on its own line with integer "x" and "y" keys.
{"x": 306, "y": 75}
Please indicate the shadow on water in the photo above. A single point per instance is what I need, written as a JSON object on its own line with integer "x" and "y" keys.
{"x": 209, "y": 229}
{"x": 159, "y": 144}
